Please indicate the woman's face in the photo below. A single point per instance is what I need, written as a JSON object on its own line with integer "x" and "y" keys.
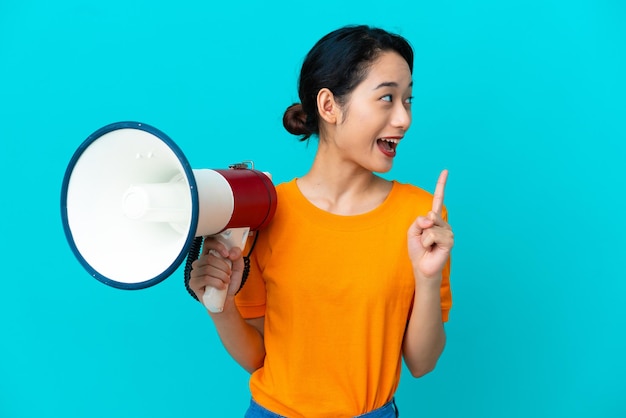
{"x": 377, "y": 114}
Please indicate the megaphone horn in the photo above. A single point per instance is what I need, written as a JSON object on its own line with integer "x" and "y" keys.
{"x": 131, "y": 206}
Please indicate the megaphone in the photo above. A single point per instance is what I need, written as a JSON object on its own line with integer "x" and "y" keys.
{"x": 131, "y": 206}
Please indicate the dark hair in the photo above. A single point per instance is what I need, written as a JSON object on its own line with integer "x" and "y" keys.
{"x": 339, "y": 61}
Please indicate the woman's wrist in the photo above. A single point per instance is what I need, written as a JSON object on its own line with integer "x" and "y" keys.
{"x": 427, "y": 283}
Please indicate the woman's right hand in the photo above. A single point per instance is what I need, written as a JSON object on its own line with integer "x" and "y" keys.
{"x": 217, "y": 267}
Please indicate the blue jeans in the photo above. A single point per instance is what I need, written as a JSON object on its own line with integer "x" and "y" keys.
{"x": 389, "y": 410}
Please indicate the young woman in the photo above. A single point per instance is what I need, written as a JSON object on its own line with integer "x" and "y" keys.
{"x": 352, "y": 274}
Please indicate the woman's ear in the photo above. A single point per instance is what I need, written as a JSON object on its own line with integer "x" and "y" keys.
{"x": 327, "y": 107}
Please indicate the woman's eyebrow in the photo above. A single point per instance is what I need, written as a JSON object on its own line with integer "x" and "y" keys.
{"x": 390, "y": 84}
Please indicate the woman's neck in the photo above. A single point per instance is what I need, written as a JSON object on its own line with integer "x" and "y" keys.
{"x": 342, "y": 188}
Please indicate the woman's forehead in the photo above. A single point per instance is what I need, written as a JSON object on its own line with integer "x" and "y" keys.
{"x": 389, "y": 69}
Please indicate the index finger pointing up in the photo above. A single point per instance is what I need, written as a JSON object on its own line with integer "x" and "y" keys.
{"x": 439, "y": 189}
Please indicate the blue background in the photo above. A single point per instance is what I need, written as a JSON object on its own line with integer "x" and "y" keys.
{"x": 523, "y": 101}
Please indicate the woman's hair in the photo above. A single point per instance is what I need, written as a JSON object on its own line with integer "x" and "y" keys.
{"x": 339, "y": 62}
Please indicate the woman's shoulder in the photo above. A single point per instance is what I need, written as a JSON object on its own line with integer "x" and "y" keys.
{"x": 410, "y": 190}
{"x": 415, "y": 196}
{"x": 286, "y": 188}
{"x": 286, "y": 185}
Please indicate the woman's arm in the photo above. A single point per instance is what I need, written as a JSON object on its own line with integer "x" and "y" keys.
{"x": 425, "y": 337}
{"x": 430, "y": 240}
{"x": 243, "y": 339}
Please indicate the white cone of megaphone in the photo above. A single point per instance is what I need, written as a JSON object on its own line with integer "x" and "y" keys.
{"x": 131, "y": 206}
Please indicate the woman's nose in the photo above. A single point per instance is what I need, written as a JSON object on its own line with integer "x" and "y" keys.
{"x": 401, "y": 117}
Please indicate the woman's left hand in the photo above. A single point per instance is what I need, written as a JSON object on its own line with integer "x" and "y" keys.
{"x": 430, "y": 238}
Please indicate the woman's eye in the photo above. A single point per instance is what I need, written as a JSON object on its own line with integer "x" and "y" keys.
{"x": 409, "y": 100}
{"x": 387, "y": 98}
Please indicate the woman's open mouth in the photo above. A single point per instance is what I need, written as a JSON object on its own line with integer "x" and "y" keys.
{"x": 388, "y": 146}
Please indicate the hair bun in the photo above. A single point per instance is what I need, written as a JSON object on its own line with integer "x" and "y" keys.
{"x": 294, "y": 120}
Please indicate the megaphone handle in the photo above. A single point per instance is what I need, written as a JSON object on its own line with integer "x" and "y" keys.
{"x": 213, "y": 299}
